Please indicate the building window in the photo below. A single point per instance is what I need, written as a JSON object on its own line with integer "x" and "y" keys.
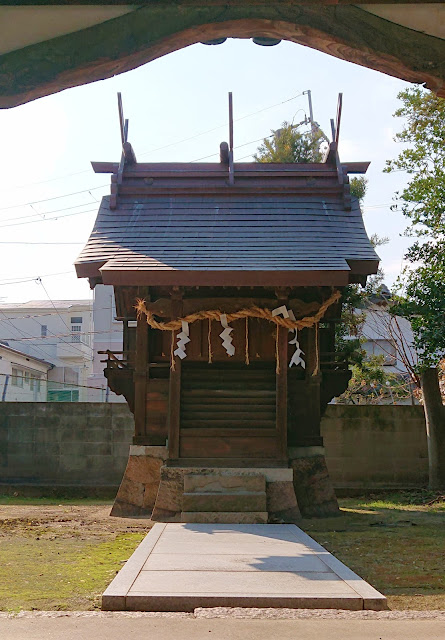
{"x": 43, "y": 330}
{"x": 35, "y": 384}
{"x": 76, "y": 320}
{"x": 27, "y": 377}
{"x": 75, "y": 332}
{"x": 17, "y": 377}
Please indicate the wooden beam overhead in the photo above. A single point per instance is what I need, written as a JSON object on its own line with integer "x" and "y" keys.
{"x": 146, "y": 33}
{"x": 215, "y": 3}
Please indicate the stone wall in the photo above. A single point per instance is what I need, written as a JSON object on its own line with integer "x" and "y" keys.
{"x": 87, "y": 444}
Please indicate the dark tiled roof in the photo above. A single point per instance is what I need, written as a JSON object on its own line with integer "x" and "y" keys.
{"x": 248, "y": 231}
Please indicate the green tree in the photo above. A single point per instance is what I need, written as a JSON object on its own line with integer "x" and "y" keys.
{"x": 421, "y": 286}
{"x": 288, "y": 145}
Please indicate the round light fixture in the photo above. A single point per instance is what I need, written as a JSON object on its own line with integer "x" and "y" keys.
{"x": 215, "y": 41}
{"x": 266, "y": 42}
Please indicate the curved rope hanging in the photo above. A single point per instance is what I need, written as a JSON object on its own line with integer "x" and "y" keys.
{"x": 253, "y": 312}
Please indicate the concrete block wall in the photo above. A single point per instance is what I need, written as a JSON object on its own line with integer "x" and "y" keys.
{"x": 86, "y": 444}
{"x": 64, "y": 443}
{"x": 372, "y": 446}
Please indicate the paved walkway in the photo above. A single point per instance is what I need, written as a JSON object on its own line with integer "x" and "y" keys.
{"x": 70, "y": 627}
{"x": 179, "y": 567}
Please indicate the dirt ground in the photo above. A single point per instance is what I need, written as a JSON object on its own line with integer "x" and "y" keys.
{"x": 83, "y": 520}
{"x": 61, "y": 556}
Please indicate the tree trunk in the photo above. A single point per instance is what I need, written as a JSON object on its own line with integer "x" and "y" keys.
{"x": 435, "y": 428}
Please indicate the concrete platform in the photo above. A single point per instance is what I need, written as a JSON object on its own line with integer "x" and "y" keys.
{"x": 179, "y": 567}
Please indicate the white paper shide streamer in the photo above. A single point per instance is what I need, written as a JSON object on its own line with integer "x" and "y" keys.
{"x": 183, "y": 339}
{"x": 296, "y": 356}
{"x": 225, "y": 335}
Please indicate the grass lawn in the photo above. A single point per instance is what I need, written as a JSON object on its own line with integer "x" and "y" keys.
{"x": 61, "y": 554}
{"x": 394, "y": 541}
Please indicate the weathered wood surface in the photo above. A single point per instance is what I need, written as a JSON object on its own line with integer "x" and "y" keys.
{"x": 228, "y": 447}
{"x": 141, "y": 378}
{"x": 281, "y": 389}
{"x": 115, "y": 46}
{"x": 174, "y": 399}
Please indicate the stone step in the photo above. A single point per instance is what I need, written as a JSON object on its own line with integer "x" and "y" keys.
{"x": 225, "y": 517}
{"x": 223, "y": 482}
{"x": 240, "y": 501}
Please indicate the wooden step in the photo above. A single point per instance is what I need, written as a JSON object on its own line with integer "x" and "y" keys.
{"x": 201, "y": 413}
{"x": 266, "y": 402}
{"x": 231, "y": 423}
{"x": 230, "y": 393}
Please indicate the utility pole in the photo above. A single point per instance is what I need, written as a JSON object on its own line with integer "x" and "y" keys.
{"x": 308, "y": 93}
{"x": 314, "y": 125}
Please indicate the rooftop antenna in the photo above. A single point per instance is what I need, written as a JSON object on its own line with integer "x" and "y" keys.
{"x": 231, "y": 167}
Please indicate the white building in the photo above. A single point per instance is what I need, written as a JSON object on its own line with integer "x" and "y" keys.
{"x": 389, "y": 336}
{"x": 58, "y": 332}
{"x": 107, "y": 336}
{"x": 22, "y": 377}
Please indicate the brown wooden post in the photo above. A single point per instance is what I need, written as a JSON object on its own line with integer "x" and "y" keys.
{"x": 281, "y": 390}
{"x": 174, "y": 399}
{"x": 311, "y": 430}
{"x": 140, "y": 380}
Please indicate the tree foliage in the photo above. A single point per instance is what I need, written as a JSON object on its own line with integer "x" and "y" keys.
{"x": 288, "y": 145}
{"x": 422, "y": 201}
{"x": 421, "y": 286}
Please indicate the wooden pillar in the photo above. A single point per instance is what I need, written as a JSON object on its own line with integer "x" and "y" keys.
{"x": 311, "y": 430}
{"x": 174, "y": 399}
{"x": 141, "y": 381}
{"x": 281, "y": 390}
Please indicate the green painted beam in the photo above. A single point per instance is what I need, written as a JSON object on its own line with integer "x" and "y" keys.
{"x": 149, "y": 32}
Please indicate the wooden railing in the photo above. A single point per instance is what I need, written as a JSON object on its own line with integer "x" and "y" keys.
{"x": 113, "y": 362}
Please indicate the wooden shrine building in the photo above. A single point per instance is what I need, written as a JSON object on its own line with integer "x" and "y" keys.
{"x": 227, "y": 278}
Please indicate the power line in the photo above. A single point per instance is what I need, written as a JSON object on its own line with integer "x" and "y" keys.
{"x": 42, "y": 315}
{"x": 171, "y": 144}
{"x": 66, "y": 384}
{"x": 65, "y": 195}
{"x": 40, "y": 243}
{"x": 45, "y": 213}
{"x": 56, "y": 335}
{"x": 6, "y": 281}
{"x": 39, "y": 281}
{"x": 67, "y": 215}
{"x": 24, "y": 333}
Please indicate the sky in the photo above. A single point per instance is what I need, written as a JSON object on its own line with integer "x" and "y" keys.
{"x": 177, "y": 111}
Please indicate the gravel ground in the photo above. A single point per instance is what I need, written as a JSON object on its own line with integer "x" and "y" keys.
{"x": 226, "y": 612}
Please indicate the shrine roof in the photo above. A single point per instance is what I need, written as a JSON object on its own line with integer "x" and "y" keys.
{"x": 276, "y": 224}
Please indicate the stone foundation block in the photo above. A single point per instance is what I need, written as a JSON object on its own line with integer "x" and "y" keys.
{"x": 313, "y": 487}
{"x": 282, "y": 503}
{"x": 225, "y": 517}
{"x": 139, "y": 487}
{"x": 168, "y": 505}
